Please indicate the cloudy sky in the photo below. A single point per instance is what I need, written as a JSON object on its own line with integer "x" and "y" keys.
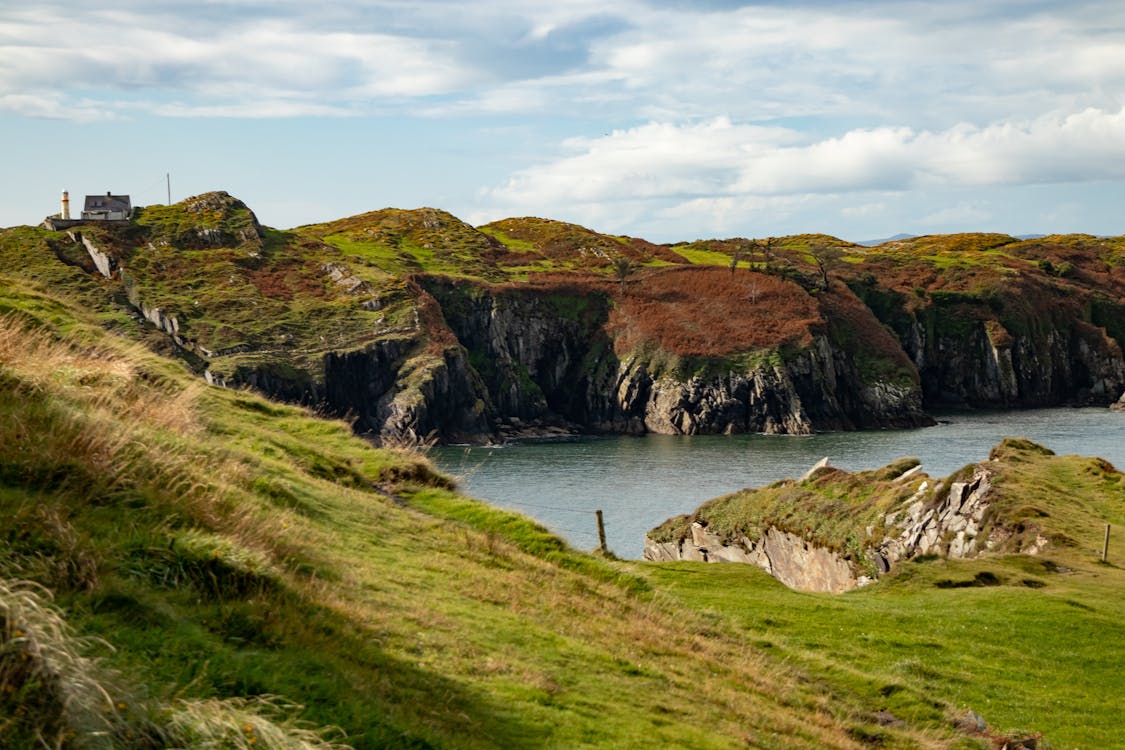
{"x": 669, "y": 120}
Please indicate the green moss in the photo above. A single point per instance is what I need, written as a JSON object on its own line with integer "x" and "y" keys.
{"x": 1106, "y": 313}
{"x": 513, "y": 244}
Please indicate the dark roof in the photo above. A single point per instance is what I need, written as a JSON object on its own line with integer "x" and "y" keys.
{"x": 107, "y": 202}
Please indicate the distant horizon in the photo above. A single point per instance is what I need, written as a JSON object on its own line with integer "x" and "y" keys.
{"x": 868, "y": 242}
{"x": 652, "y": 118}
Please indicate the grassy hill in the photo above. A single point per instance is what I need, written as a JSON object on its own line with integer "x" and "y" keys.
{"x": 222, "y": 566}
{"x": 1029, "y": 640}
{"x": 218, "y": 548}
{"x": 182, "y": 564}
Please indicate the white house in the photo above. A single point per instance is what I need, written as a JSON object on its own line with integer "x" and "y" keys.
{"x": 107, "y": 207}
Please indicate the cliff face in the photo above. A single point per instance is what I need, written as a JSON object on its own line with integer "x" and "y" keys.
{"x": 817, "y": 388}
{"x": 547, "y": 356}
{"x": 394, "y": 390}
{"x": 903, "y": 515}
{"x": 987, "y": 365}
{"x": 787, "y": 557}
{"x": 1019, "y": 340}
{"x": 357, "y": 329}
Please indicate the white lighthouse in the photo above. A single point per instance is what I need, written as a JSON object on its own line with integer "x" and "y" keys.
{"x": 65, "y": 205}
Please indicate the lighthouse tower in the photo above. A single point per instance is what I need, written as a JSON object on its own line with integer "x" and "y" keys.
{"x": 65, "y": 205}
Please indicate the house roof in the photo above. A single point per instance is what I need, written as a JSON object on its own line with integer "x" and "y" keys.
{"x": 107, "y": 202}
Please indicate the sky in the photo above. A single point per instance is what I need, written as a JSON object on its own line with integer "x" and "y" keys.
{"x": 669, "y": 120}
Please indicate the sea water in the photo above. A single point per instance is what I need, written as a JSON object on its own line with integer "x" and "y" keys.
{"x": 638, "y": 482}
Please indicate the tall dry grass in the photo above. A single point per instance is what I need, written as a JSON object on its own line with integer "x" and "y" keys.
{"x": 96, "y": 376}
{"x": 710, "y": 312}
{"x": 260, "y": 723}
{"x": 52, "y": 693}
{"x": 55, "y": 697}
{"x": 93, "y": 420}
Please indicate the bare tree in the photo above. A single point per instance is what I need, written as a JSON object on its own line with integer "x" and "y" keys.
{"x": 766, "y": 248}
{"x": 623, "y": 268}
{"x": 827, "y": 258}
{"x": 735, "y": 256}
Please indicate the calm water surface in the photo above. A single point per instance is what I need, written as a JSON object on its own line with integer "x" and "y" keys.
{"x": 640, "y": 481}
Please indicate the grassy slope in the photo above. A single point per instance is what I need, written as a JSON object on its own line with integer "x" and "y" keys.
{"x": 412, "y": 241}
{"x": 547, "y": 245}
{"x": 226, "y": 546}
{"x": 454, "y": 624}
{"x": 1025, "y": 286}
{"x": 1037, "y": 659}
{"x": 273, "y": 296}
{"x": 1036, "y": 650}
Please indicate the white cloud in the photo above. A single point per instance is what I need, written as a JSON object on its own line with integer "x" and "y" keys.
{"x": 960, "y": 216}
{"x": 252, "y": 109}
{"x": 720, "y": 168}
{"x": 49, "y": 106}
{"x": 925, "y": 66}
{"x": 917, "y": 65}
{"x": 653, "y": 160}
{"x": 246, "y": 64}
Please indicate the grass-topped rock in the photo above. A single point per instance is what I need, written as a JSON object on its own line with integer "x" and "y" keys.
{"x": 184, "y": 565}
{"x": 834, "y": 530}
{"x": 421, "y": 326}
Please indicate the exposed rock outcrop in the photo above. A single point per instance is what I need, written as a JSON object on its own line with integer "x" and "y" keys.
{"x": 223, "y": 221}
{"x": 103, "y": 261}
{"x": 392, "y": 389}
{"x": 1023, "y": 345}
{"x": 787, "y": 557}
{"x": 1073, "y": 363}
{"x": 545, "y": 355}
{"x": 954, "y": 524}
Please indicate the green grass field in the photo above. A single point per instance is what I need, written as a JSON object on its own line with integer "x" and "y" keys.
{"x": 227, "y": 548}
{"x": 1039, "y": 652}
{"x": 183, "y": 565}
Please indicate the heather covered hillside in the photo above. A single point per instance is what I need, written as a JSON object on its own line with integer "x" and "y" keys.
{"x": 416, "y": 324}
{"x": 185, "y": 563}
{"x": 190, "y": 566}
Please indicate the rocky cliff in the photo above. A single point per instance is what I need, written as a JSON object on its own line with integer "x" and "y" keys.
{"x": 801, "y": 533}
{"x": 550, "y": 355}
{"x": 790, "y": 558}
{"x": 1010, "y": 329}
{"x": 396, "y": 319}
{"x": 985, "y": 363}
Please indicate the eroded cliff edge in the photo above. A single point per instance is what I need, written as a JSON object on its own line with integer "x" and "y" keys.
{"x": 600, "y": 359}
{"x": 351, "y": 317}
{"x": 833, "y": 531}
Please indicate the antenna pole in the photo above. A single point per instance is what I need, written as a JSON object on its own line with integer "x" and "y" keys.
{"x": 168, "y": 178}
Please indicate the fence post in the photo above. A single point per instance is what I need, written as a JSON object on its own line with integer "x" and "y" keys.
{"x": 1105, "y": 546}
{"x": 601, "y": 532}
